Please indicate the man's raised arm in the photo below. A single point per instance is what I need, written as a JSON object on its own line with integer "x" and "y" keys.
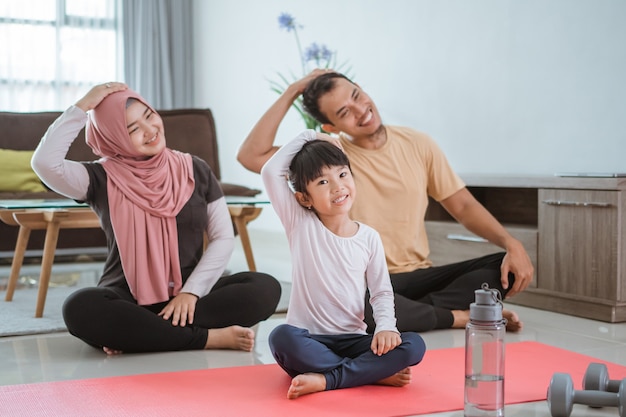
{"x": 259, "y": 146}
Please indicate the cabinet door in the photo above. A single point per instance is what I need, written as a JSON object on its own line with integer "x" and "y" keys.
{"x": 578, "y": 241}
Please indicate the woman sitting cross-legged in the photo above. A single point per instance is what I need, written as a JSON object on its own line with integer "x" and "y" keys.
{"x": 161, "y": 289}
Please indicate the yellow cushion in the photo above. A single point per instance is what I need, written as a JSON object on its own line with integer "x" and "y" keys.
{"x": 16, "y": 173}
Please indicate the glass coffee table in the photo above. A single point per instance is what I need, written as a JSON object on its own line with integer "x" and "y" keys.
{"x": 56, "y": 214}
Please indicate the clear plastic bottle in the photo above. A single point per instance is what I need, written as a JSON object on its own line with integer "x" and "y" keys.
{"x": 484, "y": 356}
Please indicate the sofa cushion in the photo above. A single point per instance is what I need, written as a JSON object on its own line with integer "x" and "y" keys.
{"x": 238, "y": 190}
{"x": 15, "y": 172}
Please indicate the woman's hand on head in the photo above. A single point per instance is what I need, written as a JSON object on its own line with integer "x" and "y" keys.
{"x": 180, "y": 309}
{"x": 97, "y": 94}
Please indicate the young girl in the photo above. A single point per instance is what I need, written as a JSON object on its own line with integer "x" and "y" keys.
{"x": 336, "y": 262}
{"x": 161, "y": 290}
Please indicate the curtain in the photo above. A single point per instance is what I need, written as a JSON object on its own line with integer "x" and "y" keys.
{"x": 54, "y": 51}
{"x": 158, "y": 51}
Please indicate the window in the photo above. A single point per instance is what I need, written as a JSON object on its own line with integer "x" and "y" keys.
{"x": 56, "y": 50}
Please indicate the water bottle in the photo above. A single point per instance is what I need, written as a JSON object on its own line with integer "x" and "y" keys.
{"x": 484, "y": 355}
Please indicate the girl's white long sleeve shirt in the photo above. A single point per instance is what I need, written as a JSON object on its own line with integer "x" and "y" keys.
{"x": 330, "y": 273}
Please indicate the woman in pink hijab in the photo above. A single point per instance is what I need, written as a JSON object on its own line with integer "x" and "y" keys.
{"x": 161, "y": 290}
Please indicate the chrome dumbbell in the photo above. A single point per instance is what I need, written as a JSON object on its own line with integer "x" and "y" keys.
{"x": 597, "y": 379}
{"x": 562, "y": 396}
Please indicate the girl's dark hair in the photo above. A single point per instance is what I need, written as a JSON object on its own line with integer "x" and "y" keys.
{"x": 308, "y": 163}
{"x": 315, "y": 90}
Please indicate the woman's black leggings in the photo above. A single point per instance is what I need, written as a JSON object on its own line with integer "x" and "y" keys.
{"x": 111, "y": 317}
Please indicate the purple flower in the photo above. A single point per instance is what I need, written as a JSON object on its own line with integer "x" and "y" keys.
{"x": 317, "y": 53}
{"x": 287, "y": 22}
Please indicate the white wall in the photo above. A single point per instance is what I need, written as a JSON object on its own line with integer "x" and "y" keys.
{"x": 504, "y": 86}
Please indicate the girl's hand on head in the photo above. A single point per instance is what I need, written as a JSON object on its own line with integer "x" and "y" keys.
{"x": 180, "y": 309}
{"x": 97, "y": 94}
{"x": 334, "y": 140}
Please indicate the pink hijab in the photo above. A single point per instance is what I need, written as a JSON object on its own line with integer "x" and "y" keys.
{"x": 145, "y": 195}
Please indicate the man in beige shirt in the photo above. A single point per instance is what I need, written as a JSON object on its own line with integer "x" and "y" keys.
{"x": 396, "y": 169}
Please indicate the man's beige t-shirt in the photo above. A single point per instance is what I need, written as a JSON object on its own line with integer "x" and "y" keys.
{"x": 393, "y": 184}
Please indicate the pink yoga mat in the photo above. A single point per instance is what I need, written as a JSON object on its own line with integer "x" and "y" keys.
{"x": 261, "y": 390}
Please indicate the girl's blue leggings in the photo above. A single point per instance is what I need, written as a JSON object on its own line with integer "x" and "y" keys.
{"x": 345, "y": 360}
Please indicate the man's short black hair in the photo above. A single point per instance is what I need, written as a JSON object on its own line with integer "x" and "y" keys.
{"x": 315, "y": 90}
{"x": 308, "y": 163}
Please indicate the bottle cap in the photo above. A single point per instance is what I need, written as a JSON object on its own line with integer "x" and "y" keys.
{"x": 487, "y": 305}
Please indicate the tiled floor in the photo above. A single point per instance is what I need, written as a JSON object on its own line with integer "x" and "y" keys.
{"x": 58, "y": 356}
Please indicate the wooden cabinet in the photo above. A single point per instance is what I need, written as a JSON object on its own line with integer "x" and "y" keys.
{"x": 574, "y": 230}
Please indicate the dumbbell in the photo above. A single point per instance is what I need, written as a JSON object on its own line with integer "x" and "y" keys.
{"x": 562, "y": 396}
{"x": 597, "y": 379}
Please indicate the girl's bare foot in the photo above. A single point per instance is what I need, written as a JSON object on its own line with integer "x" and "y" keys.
{"x": 231, "y": 337}
{"x": 399, "y": 379}
{"x": 513, "y": 323}
{"x": 111, "y": 352}
{"x": 306, "y": 384}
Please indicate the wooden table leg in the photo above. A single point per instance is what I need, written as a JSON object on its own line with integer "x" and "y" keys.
{"x": 51, "y": 220}
{"x": 18, "y": 259}
{"x": 49, "y": 247}
{"x": 241, "y": 216}
{"x": 242, "y": 228}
